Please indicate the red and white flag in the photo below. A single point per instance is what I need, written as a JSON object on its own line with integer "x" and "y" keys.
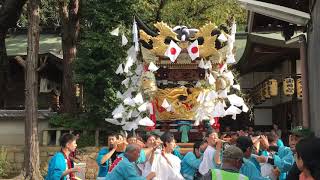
{"x": 193, "y": 50}
{"x": 173, "y": 51}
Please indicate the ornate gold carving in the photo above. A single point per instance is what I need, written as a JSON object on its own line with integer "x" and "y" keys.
{"x": 148, "y": 83}
{"x": 208, "y": 47}
{"x": 144, "y": 36}
{"x": 182, "y": 100}
{"x": 165, "y": 30}
{"x": 221, "y": 83}
{"x": 159, "y": 47}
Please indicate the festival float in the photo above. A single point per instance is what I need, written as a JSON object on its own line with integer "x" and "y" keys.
{"x": 178, "y": 74}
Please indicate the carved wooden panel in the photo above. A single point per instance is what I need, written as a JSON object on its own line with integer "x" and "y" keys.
{"x": 180, "y": 74}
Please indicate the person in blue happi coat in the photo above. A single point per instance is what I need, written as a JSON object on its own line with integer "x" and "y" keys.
{"x": 127, "y": 169}
{"x": 107, "y": 155}
{"x": 282, "y": 158}
{"x": 191, "y": 161}
{"x": 60, "y": 167}
{"x": 248, "y": 168}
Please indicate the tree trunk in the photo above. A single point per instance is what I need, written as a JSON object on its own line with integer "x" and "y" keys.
{"x": 32, "y": 161}
{"x": 70, "y": 26}
{"x": 3, "y": 69}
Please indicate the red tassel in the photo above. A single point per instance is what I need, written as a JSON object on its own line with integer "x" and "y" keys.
{"x": 216, "y": 124}
{"x": 153, "y": 118}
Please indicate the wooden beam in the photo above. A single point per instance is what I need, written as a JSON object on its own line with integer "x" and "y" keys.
{"x": 43, "y": 63}
{"x": 20, "y": 61}
{"x": 250, "y": 21}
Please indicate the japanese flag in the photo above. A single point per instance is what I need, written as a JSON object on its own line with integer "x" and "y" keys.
{"x": 173, "y": 51}
{"x": 193, "y": 50}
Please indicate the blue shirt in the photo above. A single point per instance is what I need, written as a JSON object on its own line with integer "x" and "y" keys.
{"x": 142, "y": 157}
{"x": 56, "y": 167}
{"x": 256, "y": 163}
{"x": 250, "y": 170}
{"x": 103, "y": 168}
{"x": 280, "y": 143}
{"x": 125, "y": 170}
{"x": 189, "y": 165}
{"x": 176, "y": 152}
{"x": 284, "y": 160}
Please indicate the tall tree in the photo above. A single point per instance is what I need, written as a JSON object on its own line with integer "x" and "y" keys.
{"x": 49, "y": 15}
{"x": 190, "y": 13}
{"x": 32, "y": 161}
{"x": 69, "y": 13}
{"x": 10, "y": 11}
{"x": 100, "y": 54}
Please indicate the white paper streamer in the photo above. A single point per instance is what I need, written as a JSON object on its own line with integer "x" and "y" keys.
{"x": 143, "y": 107}
{"x": 129, "y": 126}
{"x": 138, "y": 99}
{"x": 117, "y": 113}
{"x": 125, "y": 82}
{"x": 211, "y": 96}
{"x": 139, "y": 69}
{"x": 211, "y": 79}
{"x": 223, "y": 94}
{"x": 124, "y": 40}
{"x": 128, "y": 101}
{"x": 119, "y": 70}
{"x": 245, "y": 108}
{"x": 119, "y": 95}
{"x": 222, "y": 38}
{"x": 208, "y": 65}
{"x": 237, "y": 86}
{"x": 115, "y": 32}
{"x": 135, "y": 35}
{"x": 113, "y": 121}
{"x": 135, "y": 113}
{"x": 165, "y": 104}
{"x": 235, "y": 100}
{"x": 146, "y": 122}
{"x": 152, "y": 67}
{"x": 201, "y": 64}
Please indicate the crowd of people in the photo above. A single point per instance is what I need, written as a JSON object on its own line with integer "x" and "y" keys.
{"x": 230, "y": 155}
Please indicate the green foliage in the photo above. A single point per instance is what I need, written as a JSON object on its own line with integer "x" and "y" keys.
{"x": 82, "y": 121}
{"x": 191, "y": 13}
{"x": 100, "y": 54}
{"x": 61, "y": 120}
{"x": 49, "y": 15}
{"x": 3, "y": 162}
{"x": 86, "y": 141}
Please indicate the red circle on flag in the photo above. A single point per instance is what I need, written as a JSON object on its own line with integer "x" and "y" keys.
{"x": 173, "y": 51}
{"x": 194, "y": 50}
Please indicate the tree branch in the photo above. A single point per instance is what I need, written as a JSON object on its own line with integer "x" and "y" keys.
{"x": 63, "y": 10}
{"x": 20, "y": 61}
{"x": 200, "y": 11}
{"x": 43, "y": 64}
{"x": 158, "y": 13}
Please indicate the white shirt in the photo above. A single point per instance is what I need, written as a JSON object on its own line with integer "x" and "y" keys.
{"x": 207, "y": 162}
{"x": 163, "y": 170}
